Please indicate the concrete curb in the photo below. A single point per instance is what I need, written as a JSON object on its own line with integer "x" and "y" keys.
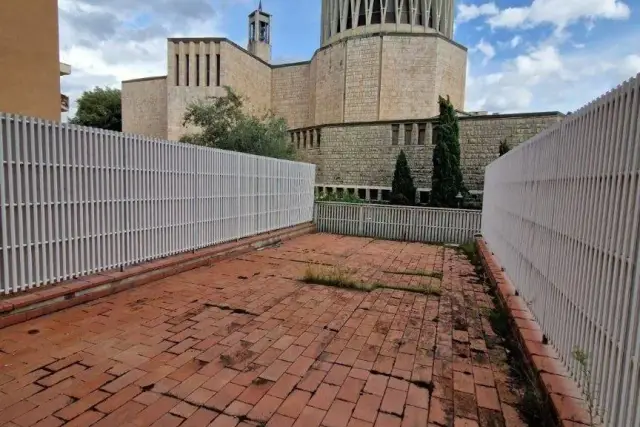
{"x": 23, "y": 307}
{"x": 553, "y": 379}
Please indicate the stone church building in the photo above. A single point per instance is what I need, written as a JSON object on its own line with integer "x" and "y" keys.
{"x": 370, "y": 90}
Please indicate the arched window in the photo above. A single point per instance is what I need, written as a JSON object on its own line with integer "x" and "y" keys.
{"x": 390, "y": 17}
{"x": 362, "y": 14}
{"x": 376, "y": 16}
{"x": 405, "y": 13}
{"x": 432, "y": 16}
{"x": 443, "y": 22}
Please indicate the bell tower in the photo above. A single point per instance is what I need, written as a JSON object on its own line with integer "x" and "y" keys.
{"x": 260, "y": 34}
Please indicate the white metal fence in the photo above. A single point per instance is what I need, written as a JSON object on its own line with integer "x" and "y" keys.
{"x": 562, "y": 214}
{"x": 77, "y": 200}
{"x": 414, "y": 224}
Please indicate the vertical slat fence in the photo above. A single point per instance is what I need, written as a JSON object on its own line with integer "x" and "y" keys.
{"x": 561, "y": 212}
{"x": 77, "y": 200}
{"x": 415, "y": 224}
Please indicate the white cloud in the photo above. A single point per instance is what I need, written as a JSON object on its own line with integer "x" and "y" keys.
{"x": 559, "y": 13}
{"x": 486, "y": 49}
{"x": 539, "y": 64}
{"x": 631, "y": 65}
{"x": 468, "y": 12}
{"x": 107, "y": 41}
{"x": 515, "y": 41}
{"x": 550, "y": 77}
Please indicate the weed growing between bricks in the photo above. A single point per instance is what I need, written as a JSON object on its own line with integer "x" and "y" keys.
{"x": 341, "y": 278}
{"x": 421, "y": 273}
{"x": 534, "y": 406}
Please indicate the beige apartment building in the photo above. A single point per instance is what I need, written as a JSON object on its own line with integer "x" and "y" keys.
{"x": 30, "y": 67}
{"x": 370, "y": 90}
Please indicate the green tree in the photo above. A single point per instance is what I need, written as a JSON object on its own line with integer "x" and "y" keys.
{"x": 403, "y": 192}
{"x": 222, "y": 124}
{"x": 99, "y": 108}
{"x": 446, "y": 181}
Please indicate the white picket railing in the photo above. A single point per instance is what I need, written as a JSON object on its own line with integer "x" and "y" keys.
{"x": 415, "y": 224}
{"x": 562, "y": 215}
{"x": 77, "y": 200}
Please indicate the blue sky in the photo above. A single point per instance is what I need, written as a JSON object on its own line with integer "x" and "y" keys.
{"x": 524, "y": 55}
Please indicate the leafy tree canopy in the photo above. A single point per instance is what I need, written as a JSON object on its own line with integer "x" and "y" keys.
{"x": 99, "y": 108}
{"x": 403, "y": 192}
{"x": 446, "y": 181}
{"x": 221, "y": 123}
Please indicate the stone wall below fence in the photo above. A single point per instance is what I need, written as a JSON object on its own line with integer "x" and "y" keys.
{"x": 364, "y": 154}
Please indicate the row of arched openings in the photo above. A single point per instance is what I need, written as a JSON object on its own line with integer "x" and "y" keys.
{"x": 390, "y": 16}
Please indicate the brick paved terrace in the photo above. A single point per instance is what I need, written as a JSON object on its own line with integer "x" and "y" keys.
{"x": 245, "y": 343}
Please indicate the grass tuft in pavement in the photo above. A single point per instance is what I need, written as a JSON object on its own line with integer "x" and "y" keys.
{"x": 422, "y": 273}
{"x": 342, "y": 278}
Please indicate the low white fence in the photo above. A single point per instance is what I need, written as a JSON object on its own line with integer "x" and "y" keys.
{"x": 562, "y": 215}
{"x": 415, "y": 224}
{"x": 77, "y": 200}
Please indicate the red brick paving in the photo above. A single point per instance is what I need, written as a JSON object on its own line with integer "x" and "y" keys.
{"x": 243, "y": 342}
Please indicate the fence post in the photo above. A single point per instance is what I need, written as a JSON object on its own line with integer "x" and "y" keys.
{"x": 361, "y": 221}
{"x": 315, "y": 213}
{"x": 412, "y": 224}
{"x": 194, "y": 243}
{"x": 125, "y": 209}
{"x": 4, "y": 247}
{"x": 238, "y": 168}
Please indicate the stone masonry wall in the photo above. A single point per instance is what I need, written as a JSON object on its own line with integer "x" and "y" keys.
{"x": 144, "y": 107}
{"x": 451, "y": 74}
{"x": 365, "y": 154}
{"x": 386, "y": 77}
{"x": 248, "y": 76}
{"x": 408, "y": 81}
{"x": 313, "y": 73}
{"x": 480, "y": 140}
{"x": 415, "y": 71}
{"x": 329, "y": 84}
{"x": 362, "y": 80}
{"x": 178, "y": 99}
{"x": 290, "y": 94}
{"x": 367, "y": 78}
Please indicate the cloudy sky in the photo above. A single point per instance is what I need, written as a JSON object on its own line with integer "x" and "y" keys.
{"x": 524, "y": 55}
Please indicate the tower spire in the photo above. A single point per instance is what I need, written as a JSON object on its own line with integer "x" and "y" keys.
{"x": 259, "y": 33}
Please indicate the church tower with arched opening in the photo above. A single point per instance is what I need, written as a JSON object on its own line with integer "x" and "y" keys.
{"x": 370, "y": 90}
{"x": 260, "y": 34}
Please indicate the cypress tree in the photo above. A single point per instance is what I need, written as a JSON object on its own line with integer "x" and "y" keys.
{"x": 403, "y": 192}
{"x": 446, "y": 181}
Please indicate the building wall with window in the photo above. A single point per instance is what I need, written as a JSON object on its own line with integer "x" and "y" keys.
{"x": 347, "y": 18}
{"x": 374, "y": 77}
{"x": 29, "y": 58}
{"x": 197, "y": 68}
{"x": 370, "y": 90}
{"x": 364, "y": 154}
